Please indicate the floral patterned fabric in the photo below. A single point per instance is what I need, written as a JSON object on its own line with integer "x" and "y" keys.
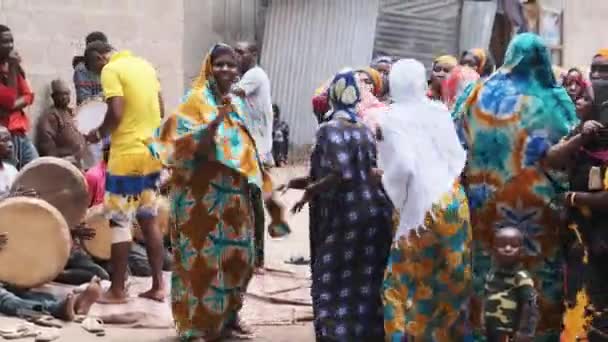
{"x": 428, "y": 279}
{"x": 508, "y": 123}
{"x": 212, "y": 206}
{"x": 350, "y": 226}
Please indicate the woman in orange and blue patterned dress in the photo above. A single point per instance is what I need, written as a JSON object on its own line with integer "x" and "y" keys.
{"x": 215, "y": 167}
{"x": 427, "y": 282}
{"x": 508, "y": 122}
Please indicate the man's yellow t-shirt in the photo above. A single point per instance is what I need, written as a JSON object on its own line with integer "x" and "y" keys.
{"x": 134, "y": 79}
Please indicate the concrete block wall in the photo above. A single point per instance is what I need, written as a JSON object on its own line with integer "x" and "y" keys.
{"x": 584, "y": 30}
{"x": 49, "y": 33}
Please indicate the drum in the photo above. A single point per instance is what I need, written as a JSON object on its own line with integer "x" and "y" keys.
{"x": 90, "y": 115}
{"x": 162, "y": 220}
{"x": 59, "y": 183}
{"x": 100, "y": 246}
{"x": 39, "y": 242}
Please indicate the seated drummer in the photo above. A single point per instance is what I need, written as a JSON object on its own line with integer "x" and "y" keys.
{"x": 19, "y": 302}
{"x": 56, "y": 132}
{"x": 138, "y": 264}
{"x": 29, "y": 304}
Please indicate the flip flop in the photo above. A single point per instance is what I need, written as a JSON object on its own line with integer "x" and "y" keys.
{"x": 93, "y": 325}
{"x": 46, "y": 321}
{"x": 48, "y": 335}
{"x": 26, "y": 330}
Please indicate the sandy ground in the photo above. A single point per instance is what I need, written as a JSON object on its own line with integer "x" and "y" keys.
{"x": 277, "y": 251}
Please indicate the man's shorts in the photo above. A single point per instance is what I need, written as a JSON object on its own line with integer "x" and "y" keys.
{"x": 132, "y": 182}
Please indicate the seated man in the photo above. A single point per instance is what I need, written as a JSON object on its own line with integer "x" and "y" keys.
{"x": 29, "y": 304}
{"x": 56, "y": 132}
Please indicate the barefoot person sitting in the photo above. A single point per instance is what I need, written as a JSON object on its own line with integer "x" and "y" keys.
{"x": 27, "y": 303}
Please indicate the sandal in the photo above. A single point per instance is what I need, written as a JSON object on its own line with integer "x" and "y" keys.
{"x": 20, "y": 331}
{"x": 48, "y": 335}
{"x": 93, "y": 325}
{"x": 46, "y": 321}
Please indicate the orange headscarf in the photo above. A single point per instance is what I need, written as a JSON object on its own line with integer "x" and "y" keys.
{"x": 603, "y": 53}
{"x": 483, "y": 58}
{"x": 376, "y": 78}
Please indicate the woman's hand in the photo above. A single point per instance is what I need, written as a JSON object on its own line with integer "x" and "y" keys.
{"x": 302, "y": 202}
{"x": 376, "y": 175}
{"x": 590, "y": 129}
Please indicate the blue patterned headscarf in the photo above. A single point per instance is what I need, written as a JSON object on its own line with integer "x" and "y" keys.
{"x": 528, "y": 55}
{"x": 344, "y": 95}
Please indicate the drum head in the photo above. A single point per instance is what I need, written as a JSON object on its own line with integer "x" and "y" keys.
{"x": 99, "y": 247}
{"x": 59, "y": 183}
{"x": 39, "y": 242}
{"x": 90, "y": 115}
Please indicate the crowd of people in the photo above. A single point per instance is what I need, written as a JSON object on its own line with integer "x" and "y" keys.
{"x": 464, "y": 206}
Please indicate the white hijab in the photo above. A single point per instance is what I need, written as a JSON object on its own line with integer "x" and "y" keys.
{"x": 420, "y": 154}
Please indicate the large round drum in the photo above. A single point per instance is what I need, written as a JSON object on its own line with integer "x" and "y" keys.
{"x": 59, "y": 183}
{"x": 100, "y": 246}
{"x": 39, "y": 242}
{"x": 90, "y": 115}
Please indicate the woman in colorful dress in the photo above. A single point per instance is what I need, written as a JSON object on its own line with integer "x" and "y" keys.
{"x": 427, "y": 282}
{"x": 215, "y": 166}
{"x": 351, "y": 225}
{"x": 585, "y": 240}
{"x": 509, "y": 121}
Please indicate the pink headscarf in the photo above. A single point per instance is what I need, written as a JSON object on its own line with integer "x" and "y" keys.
{"x": 456, "y": 82}
{"x": 370, "y": 108}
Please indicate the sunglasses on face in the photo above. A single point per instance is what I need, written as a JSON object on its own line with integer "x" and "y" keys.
{"x": 439, "y": 68}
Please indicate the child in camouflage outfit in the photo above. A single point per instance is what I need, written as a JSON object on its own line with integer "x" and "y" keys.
{"x": 510, "y": 310}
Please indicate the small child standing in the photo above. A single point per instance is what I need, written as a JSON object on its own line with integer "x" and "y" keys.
{"x": 280, "y": 138}
{"x": 510, "y": 310}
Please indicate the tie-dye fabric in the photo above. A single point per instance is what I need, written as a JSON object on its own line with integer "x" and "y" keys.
{"x": 213, "y": 236}
{"x": 508, "y": 123}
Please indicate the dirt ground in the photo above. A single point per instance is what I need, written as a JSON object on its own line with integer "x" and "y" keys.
{"x": 261, "y": 314}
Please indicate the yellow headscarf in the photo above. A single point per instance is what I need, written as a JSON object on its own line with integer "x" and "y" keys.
{"x": 448, "y": 60}
{"x": 376, "y": 78}
{"x": 603, "y": 53}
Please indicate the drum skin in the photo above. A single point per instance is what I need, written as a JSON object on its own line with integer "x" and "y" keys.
{"x": 100, "y": 246}
{"x": 90, "y": 115}
{"x": 59, "y": 183}
{"x": 39, "y": 242}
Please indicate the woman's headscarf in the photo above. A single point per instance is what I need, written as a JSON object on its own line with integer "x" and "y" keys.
{"x": 376, "y": 78}
{"x": 370, "y": 107}
{"x": 455, "y": 84}
{"x": 528, "y": 56}
{"x": 344, "y": 95}
{"x": 482, "y": 57}
{"x": 419, "y": 153}
{"x": 447, "y": 60}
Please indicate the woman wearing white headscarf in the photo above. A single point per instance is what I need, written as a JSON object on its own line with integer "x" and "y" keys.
{"x": 428, "y": 278}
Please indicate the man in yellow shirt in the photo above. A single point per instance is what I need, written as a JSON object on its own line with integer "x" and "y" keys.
{"x": 132, "y": 91}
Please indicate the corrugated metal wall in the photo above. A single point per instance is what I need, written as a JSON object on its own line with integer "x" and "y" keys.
{"x": 420, "y": 29}
{"x": 305, "y": 43}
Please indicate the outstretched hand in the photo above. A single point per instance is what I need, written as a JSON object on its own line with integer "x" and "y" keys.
{"x": 302, "y": 202}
